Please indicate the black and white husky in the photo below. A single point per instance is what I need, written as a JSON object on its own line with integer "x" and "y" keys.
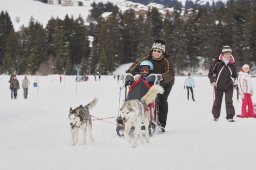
{"x": 136, "y": 112}
{"x": 80, "y": 118}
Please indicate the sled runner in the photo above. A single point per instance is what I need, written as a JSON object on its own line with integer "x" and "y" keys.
{"x": 136, "y": 87}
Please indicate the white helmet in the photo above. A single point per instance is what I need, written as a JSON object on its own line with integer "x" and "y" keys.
{"x": 147, "y": 63}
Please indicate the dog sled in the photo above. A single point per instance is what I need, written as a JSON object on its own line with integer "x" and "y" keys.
{"x": 135, "y": 87}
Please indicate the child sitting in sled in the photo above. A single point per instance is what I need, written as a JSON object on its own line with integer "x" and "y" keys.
{"x": 140, "y": 82}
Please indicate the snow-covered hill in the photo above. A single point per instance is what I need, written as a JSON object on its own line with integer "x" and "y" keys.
{"x": 22, "y": 10}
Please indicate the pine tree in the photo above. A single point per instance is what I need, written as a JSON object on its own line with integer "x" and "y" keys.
{"x": 33, "y": 45}
{"x": 168, "y": 33}
{"x": 6, "y": 27}
{"x": 140, "y": 37}
{"x": 179, "y": 43}
{"x": 11, "y": 61}
{"x": 154, "y": 22}
{"x": 61, "y": 51}
{"x": 106, "y": 50}
{"x": 80, "y": 44}
{"x": 129, "y": 34}
{"x": 94, "y": 50}
{"x": 240, "y": 31}
{"x": 252, "y": 33}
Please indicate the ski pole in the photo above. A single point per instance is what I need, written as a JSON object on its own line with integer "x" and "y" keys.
{"x": 119, "y": 101}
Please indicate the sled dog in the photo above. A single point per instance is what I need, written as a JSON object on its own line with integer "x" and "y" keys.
{"x": 80, "y": 118}
{"x": 136, "y": 112}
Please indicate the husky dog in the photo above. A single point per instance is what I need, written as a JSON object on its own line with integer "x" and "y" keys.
{"x": 136, "y": 112}
{"x": 80, "y": 118}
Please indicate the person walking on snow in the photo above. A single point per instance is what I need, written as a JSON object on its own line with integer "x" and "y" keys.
{"x": 14, "y": 86}
{"x": 189, "y": 84}
{"x": 25, "y": 85}
{"x": 246, "y": 91}
{"x": 222, "y": 75}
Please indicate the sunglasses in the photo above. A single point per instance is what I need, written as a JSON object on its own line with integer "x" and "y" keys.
{"x": 158, "y": 51}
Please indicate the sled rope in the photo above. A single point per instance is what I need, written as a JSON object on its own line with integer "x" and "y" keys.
{"x": 157, "y": 124}
{"x": 104, "y": 119}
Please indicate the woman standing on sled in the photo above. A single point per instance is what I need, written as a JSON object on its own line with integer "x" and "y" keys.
{"x": 163, "y": 65}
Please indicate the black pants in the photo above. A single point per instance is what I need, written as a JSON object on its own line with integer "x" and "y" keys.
{"x": 25, "y": 93}
{"x": 192, "y": 93}
{"x": 230, "y": 110}
{"x": 163, "y": 104}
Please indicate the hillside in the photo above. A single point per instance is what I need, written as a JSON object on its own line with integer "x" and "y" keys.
{"x": 22, "y": 11}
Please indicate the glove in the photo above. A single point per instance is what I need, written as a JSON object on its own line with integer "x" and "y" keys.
{"x": 213, "y": 84}
{"x": 160, "y": 78}
{"x": 137, "y": 77}
{"x": 251, "y": 92}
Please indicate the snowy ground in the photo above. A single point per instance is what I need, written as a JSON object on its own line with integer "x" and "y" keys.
{"x": 35, "y": 134}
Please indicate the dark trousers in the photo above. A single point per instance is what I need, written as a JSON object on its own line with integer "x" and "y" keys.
{"x": 192, "y": 93}
{"x": 25, "y": 93}
{"x": 230, "y": 110}
{"x": 14, "y": 93}
{"x": 163, "y": 104}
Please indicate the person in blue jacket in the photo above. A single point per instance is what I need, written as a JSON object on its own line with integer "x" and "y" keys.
{"x": 189, "y": 84}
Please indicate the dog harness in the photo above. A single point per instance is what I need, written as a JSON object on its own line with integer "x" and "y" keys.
{"x": 145, "y": 106}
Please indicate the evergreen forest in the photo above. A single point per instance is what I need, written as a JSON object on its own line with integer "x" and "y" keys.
{"x": 193, "y": 34}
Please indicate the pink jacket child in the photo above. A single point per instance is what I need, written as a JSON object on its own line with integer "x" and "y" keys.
{"x": 246, "y": 91}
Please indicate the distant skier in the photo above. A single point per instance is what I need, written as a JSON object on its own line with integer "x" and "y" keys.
{"x": 189, "y": 84}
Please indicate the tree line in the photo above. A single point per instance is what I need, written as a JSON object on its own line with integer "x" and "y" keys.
{"x": 192, "y": 35}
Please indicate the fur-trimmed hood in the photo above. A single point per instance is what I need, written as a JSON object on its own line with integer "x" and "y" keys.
{"x": 231, "y": 60}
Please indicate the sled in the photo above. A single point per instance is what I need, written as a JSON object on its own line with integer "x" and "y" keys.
{"x": 136, "y": 88}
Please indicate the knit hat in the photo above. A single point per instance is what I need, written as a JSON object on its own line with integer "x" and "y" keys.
{"x": 159, "y": 44}
{"x": 245, "y": 66}
{"x": 226, "y": 48}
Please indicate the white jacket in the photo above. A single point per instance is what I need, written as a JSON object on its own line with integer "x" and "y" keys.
{"x": 245, "y": 83}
